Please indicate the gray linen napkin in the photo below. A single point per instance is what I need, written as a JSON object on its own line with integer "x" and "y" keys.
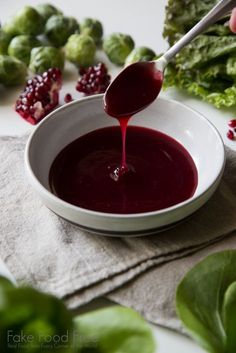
{"x": 45, "y": 251}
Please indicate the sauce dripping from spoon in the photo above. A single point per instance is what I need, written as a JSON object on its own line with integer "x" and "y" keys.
{"x": 134, "y": 89}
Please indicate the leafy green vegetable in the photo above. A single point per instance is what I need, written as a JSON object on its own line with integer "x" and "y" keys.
{"x": 34, "y": 322}
{"x": 20, "y": 47}
{"x": 117, "y": 47}
{"x": 59, "y": 28}
{"x": 229, "y": 317}
{"x": 26, "y": 21}
{"x": 205, "y": 49}
{"x": 206, "y": 67}
{"x": 43, "y": 58}
{"x": 182, "y": 15}
{"x": 12, "y": 71}
{"x": 113, "y": 330}
{"x": 4, "y": 285}
{"x": 29, "y": 318}
{"x": 206, "y": 302}
{"x": 219, "y": 30}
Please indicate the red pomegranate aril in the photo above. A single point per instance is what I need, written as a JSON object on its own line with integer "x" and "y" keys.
{"x": 232, "y": 123}
{"x": 46, "y": 80}
{"x": 68, "y": 98}
{"x": 39, "y": 78}
{"x": 29, "y": 96}
{"x": 40, "y": 96}
{"x": 94, "y": 79}
{"x": 230, "y": 135}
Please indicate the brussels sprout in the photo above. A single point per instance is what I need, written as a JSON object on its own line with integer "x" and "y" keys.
{"x": 59, "y": 28}
{"x": 80, "y": 50}
{"x": 5, "y": 39}
{"x": 93, "y": 28}
{"x": 47, "y": 10}
{"x": 21, "y": 46}
{"x": 140, "y": 54}
{"x": 43, "y": 58}
{"x": 26, "y": 21}
{"x": 117, "y": 47}
{"x": 12, "y": 71}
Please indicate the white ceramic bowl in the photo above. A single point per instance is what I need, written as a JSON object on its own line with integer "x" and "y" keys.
{"x": 69, "y": 122}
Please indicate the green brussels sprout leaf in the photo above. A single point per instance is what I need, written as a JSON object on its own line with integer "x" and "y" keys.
{"x": 21, "y": 46}
{"x": 47, "y": 10}
{"x": 93, "y": 28}
{"x": 117, "y": 47}
{"x": 12, "y": 71}
{"x": 80, "y": 50}
{"x": 59, "y": 28}
{"x": 26, "y": 21}
{"x": 140, "y": 54}
{"x": 5, "y": 39}
{"x": 44, "y": 58}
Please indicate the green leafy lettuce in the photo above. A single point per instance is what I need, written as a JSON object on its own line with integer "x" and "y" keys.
{"x": 34, "y": 322}
{"x": 114, "y": 329}
{"x": 206, "y": 302}
{"x": 206, "y": 67}
{"x": 30, "y": 319}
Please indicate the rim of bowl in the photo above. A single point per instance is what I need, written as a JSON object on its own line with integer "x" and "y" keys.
{"x": 37, "y": 184}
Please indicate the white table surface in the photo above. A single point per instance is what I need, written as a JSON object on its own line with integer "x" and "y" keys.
{"x": 143, "y": 20}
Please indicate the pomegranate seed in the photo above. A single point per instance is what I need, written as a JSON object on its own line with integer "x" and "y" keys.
{"x": 68, "y": 98}
{"x": 93, "y": 80}
{"x": 232, "y": 123}
{"x": 40, "y": 96}
{"x": 230, "y": 135}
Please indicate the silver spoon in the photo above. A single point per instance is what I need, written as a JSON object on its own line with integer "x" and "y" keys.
{"x": 139, "y": 84}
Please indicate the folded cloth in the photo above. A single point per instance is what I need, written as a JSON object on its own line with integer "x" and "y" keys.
{"x": 51, "y": 254}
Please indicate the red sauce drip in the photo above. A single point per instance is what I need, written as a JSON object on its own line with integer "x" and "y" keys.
{"x": 123, "y": 168}
{"x": 133, "y": 90}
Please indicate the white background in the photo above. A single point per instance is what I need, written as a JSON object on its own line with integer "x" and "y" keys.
{"x": 143, "y": 20}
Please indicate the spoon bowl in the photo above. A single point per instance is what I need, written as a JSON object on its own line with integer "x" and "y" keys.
{"x": 134, "y": 89}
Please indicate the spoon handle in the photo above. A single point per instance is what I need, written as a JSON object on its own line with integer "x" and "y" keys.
{"x": 215, "y": 14}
